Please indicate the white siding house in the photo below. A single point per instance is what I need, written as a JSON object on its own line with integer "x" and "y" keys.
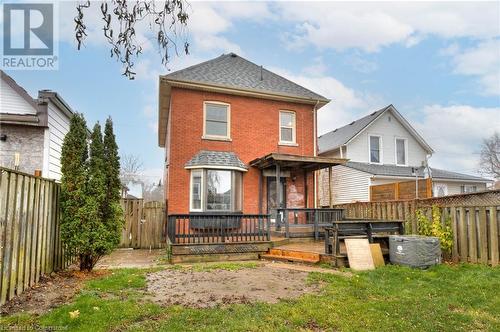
{"x": 382, "y": 148}
{"x": 32, "y": 130}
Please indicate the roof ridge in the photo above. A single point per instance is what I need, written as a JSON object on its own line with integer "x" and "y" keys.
{"x": 198, "y": 64}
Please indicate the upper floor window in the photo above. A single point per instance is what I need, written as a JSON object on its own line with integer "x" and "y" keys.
{"x": 465, "y": 189}
{"x": 216, "y": 120}
{"x": 287, "y": 127}
{"x": 401, "y": 151}
{"x": 375, "y": 149}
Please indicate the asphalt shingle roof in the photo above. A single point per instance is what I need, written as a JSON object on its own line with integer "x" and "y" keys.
{"x": 216, "y": 158}
{"x": 342, "y": 135}
{"x": 233, "y": 71}
{"x": 406, "y": 171}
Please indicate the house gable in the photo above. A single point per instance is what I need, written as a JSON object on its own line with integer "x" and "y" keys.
{"x": 388, "y": 127}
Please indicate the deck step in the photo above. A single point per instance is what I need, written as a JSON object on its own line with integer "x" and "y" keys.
{"x": 289, "y": 259}
{"x": 291, "y": 256}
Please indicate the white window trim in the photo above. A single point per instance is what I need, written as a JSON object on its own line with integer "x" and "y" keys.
{"x": 396, "y": 150}
{"x": 202, "y": 190}
{"x": 381, "y": 149}
{"x": 293, "y": 142}
{"x": 216, "y": 137}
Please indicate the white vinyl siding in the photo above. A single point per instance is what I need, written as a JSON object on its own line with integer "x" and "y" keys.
{"x": 454, "y": 188}
{"x": 358, "y": 148}
{"x": 58, "y": 128}
{"x": 11, "y": 102}
{"x": 348, "y": 185}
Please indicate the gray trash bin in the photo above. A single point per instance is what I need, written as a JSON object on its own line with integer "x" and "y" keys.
{"x": 414, "y": 250}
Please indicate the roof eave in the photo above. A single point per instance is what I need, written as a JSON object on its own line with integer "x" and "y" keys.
{"x": 321, "y": 101}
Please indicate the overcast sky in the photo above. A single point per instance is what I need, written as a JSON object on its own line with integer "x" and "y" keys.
{"x": 437, "y": 63}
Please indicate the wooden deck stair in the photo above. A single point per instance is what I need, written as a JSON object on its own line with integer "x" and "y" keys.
{"x": 286, "y": 255}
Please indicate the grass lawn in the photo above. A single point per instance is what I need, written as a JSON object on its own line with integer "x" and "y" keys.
{"x": 443, "y": 298}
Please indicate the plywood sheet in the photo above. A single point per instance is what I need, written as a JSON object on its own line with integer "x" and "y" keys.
{"x": 359, "y": 254}
{"x": 378, "y": 258}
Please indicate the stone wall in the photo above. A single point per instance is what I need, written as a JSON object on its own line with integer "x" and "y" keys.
{"x": 28, "y": 141}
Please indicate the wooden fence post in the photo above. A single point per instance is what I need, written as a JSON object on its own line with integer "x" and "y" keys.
{"x": 494, "y": 255}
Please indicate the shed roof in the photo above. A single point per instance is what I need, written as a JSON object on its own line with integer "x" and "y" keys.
{"x": 295, "y": 161}
{"x": 406, "y": 171}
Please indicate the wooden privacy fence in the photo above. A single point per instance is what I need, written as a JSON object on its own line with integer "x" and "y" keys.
{"x": 30, "y": 244}
{"x": 144, "y": 224}
{"x": 475, "y": 228}
{"x": 401, "y": 190}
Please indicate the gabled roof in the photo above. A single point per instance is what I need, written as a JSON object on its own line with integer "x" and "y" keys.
{"x": 223, "y": 159}
{"x": 233, "y": 71}
{"x": 343, "y": 135}
{"x": 406, "y": 171}
{"x": 232, "y": 74}
{"x": 39, "y": 105}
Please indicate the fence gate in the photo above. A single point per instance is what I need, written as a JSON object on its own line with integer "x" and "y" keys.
{"x": 144, "y": 224}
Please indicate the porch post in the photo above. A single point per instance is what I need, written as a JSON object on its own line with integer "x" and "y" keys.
{"x": 330, "y": 198}
{"x": 260, "y": 190}
{"x": 279, "y": 194}
{"x": 306, "y": 195}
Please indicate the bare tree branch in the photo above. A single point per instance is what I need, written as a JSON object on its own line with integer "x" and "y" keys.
{"x": 166, "y": 19}
{"x": 490, "y": 156}
{"x": 131, "y": 167}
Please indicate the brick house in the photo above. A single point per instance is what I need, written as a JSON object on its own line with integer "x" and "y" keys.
{"x": 238, "y": 139}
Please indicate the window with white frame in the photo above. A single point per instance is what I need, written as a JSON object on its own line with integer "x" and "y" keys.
{"x": 401, "y": 151}
{"x": 465, "y": 189}
{"x": 375, "y": 149}
{"x": 216, "y": 120}
{"x": 216, "y": 190}
{"x": 287, "y": 127}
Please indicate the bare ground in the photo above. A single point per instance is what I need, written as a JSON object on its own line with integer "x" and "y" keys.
{"x": 219, "y": 287}
{"x": 51, "y": 291}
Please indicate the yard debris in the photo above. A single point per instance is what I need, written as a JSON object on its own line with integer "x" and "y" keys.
{"x": 74, "y": 314}
{"x": 50, "y": 292}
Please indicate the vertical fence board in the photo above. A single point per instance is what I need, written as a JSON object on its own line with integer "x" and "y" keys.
{"x": 15, "y": 236}
{"x": 22, "y": 235}
{"x": 462, "y": 231}
{"x": 494, "y": 255}
{"x": 482, "y": 238}
{"x": 454, "y": 249}
{"x": 4, "y": 230}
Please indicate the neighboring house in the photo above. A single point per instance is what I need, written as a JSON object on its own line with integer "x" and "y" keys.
{"x": 238, "y": 139}
{"x": 383, "y": 148}
{"x": 32, "y": 130}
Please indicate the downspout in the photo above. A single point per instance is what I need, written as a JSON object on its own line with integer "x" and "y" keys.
{"x": 315, "y": 140}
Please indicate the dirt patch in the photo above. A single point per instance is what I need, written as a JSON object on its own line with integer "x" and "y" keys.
{"x": 50, "y": 292}
{"x": 219, "y": 287}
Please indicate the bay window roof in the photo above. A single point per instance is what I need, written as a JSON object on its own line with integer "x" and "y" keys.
{"x": 216, "y": 159}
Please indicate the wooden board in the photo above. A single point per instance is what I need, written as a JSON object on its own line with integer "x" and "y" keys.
{"x": 378, "y": 258}
{"x": 359, "y": 254}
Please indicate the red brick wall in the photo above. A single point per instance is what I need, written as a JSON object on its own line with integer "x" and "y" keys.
{"x": 254, "y": 133}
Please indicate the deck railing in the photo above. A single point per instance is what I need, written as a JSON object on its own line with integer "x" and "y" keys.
{"x": 218, "y": 228}
{"x": 298, "y": 217}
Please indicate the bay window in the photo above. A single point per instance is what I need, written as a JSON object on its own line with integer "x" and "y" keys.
{"x": 216, "y": 190}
